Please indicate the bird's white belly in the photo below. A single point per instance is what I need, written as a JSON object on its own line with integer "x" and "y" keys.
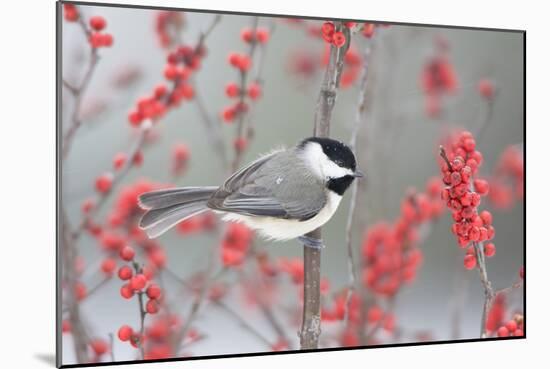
{"x": 286, "y": 229}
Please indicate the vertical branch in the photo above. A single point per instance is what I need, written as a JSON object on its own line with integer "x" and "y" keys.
{"x": 359, "y": 116}
{"x": 489, "y": 293}
{"x": 311, "y": 316}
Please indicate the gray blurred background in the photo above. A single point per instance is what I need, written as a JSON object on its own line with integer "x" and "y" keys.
{"x": 283, "y": 116}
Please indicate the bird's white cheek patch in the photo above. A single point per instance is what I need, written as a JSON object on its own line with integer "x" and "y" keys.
{"x": 322, "y": 165}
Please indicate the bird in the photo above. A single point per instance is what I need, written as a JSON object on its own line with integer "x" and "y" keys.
{"x": 282, "y": 195}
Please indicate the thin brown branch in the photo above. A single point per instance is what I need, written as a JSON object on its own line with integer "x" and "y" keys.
{"x": 311, "y": 317}
{"x": 69, "y": 253}
{"x": 488, "y": 289}
{"x": 443, "y": 155}
{"x": 359, "y": 119}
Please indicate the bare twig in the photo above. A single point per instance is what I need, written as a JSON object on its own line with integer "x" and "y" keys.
{"x": 311, "y": 317}
{"x": 213, "y": 131}
{"x": 359, "y": 118}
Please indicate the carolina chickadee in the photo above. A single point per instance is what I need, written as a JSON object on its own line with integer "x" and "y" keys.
{"x": 283, "y": 195}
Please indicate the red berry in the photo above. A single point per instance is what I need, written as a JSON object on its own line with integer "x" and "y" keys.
{"x": 522, "y": 272}
{"x": 98, "y": 23}
{"x": 469, "y": 261}
{"x": 152, "y": 307}
{"x": 328, "y": 29}
{"x": 125, "y": 272}
{"x": 108, "y": 266}
{"x": 511, "y": 325}
{"x": 127, "y": 253}
{"x": 262, "y": 35}
{"x": 138, "y": 282}
{"x": 80, "y": 291}
{"x": 247, "y": 35}
{"x": 489, "y": 250}
{"x": 119, "y": 160}
{"x": 240, "y": 143}
{"x": 99, "y": 346}
{"x": 125, "y": 333}
{"x": 160, "y": 91}
{"x": 338, "y": 39}
{"x": 254, "y": 91}
{"x": 486, "y": 89}
{"x": 153, "y": 291}
{"x": 126, "y": 291}
{"x": 487, "y": 217}
{"x": 107, "y": 40}
{"x": 135, "y": 118}
{"x": 503, "y": 332}
{"x": 481, "y": 186}
{"x": 234, "y": 59}
{"x": 244, "y": 63}
{"x": 66, "y": 326}
{"x": 70, "y": 12}
{"x": 228, "y": 114}
{"x": 104, "y": 182}
{"x": 232, "y": 90}
{"x": 96, "y": 40}
{"x": 368, "y": 30}
{"x": 170, "y": 71}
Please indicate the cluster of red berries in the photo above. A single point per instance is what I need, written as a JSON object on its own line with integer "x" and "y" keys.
{"x": 235, "y": 244}
{"x": 167, "y": 25}
{"x": 507, "y": 183}
{"x": 97, "y": 23}
{"x": 181, "y": 64}
{"x": 260, "y": 35}
{"x": 512, "y": 328}
{"x": 253, "y": 91}
{"x": 460, "y": 163}
{"x": 333, "y": 36}
{"x": 438, "y": 77}
{"x": 391, "y": 255}
{"x": 70, "y": 12}
{"x": 97, "y": 38}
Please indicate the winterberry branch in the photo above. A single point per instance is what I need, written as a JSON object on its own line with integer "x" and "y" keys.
{"x": 311, "y": 315}
{"x": 102, "y": 197}
{"x": 258, "y": 79}
{"x": 78, "y": 92}
{"x": 243, "y": 75}
{"x": 359, "y": 118}
{"x": 69, "y": 254}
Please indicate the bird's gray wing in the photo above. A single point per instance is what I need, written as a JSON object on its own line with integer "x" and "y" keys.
{"x": 278, "y": 186}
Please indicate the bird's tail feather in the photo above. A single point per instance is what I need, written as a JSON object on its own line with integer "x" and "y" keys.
{"x": 166, "y": 208}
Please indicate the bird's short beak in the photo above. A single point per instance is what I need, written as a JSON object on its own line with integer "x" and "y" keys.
{"x": 358, "y": 174}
